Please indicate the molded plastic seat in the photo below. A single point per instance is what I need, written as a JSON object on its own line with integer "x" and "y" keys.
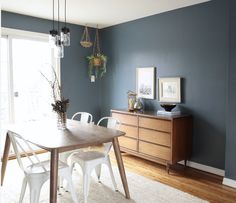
{"x": 37, "y": 173}
{"x": 89, "y": 160}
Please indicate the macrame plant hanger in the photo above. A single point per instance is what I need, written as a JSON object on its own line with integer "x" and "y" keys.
{"x": 96, "y": 50}
{"x": 85, "y": 39}
{"x": 97, "y": 61}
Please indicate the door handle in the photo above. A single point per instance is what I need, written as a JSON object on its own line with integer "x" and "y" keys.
{"x": 16, "y": 94}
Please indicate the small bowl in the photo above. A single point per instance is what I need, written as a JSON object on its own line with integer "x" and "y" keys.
{"x": 168, "y": 107}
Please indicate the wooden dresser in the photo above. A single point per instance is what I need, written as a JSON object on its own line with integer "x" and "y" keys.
{"x": 159, "y": 138}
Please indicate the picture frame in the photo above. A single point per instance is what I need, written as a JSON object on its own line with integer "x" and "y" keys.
{"x": 170, "y": 90}
{"x": 146, "y": 82}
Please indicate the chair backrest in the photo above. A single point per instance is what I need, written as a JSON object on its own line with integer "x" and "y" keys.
{"x": 111, "y": 123}
{"x": 84, "y": 117}
{"x": 22, "y": 147}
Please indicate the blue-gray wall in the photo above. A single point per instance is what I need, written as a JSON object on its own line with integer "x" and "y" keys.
{"x": 230, "y": 158}
{"x": 191, "y": 43}
{"x": 82, "y": 93}
{"x": 197, "y": 43}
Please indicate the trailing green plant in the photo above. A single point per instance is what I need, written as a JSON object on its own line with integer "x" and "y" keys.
{"x": 97, "y": 62}
{"x": 97, "y": 65}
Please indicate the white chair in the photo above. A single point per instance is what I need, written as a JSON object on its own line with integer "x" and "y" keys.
{"x": 90, "y": 160}
{"x": 84, "y": 117}
{"x": 37, "y": 172}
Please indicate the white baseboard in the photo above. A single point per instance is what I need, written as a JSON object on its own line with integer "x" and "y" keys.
{"x": 205, "y": 168}
{"x": 229, "y": 182}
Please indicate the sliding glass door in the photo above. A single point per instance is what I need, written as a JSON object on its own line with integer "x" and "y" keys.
{"x": 25, "y": 94}
{"x": 31, "y": 92}
{"x": 4, "y": 89}
{"x": 4, "y": 97}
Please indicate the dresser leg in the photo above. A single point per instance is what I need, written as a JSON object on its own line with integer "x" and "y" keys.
{"x": 185, "y": 162}
{"x": 168, "y": 168}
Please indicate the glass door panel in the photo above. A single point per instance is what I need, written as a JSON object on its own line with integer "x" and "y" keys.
{"x": 32, "y": 93}
{"x": 4, "y": 97}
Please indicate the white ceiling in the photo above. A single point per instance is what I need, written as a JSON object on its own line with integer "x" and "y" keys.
{"x": 102, "y": 12}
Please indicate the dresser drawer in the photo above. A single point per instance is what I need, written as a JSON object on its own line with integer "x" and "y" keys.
{"x": 126, "y": 119}
{"x": 155, "y": 124}
{"x": 154, "y": 136}
{"x": 154, "y": 150}
{"x": 128, "y": 143}
{"x": 130, "y": 131}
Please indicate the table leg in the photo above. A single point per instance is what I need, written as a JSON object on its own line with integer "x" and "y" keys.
{"x": 5, "y": 157}
{"x": 121, "y": 166}
{"x": 53, "y": 175}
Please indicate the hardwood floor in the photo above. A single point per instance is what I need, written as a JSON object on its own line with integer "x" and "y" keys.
{"x": 201, "y": 184}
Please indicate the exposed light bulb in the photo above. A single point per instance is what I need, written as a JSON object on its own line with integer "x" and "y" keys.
{"x": 53, "y": 38}
{"x": 65, "y": 36}
{"x": 59, "y": 50}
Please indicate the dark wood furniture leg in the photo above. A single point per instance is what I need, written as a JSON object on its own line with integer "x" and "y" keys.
{"x": 185, "y": 162}
{"x": 53, "y": 175}
{"x": 168, "y": 168}
{"x": 121, "y": 166}
{"x": 5, "y": 157}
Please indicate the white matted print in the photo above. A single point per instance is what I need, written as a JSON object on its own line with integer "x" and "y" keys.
{"x": 145, "y": 82}
{"x": 170, "y": 89}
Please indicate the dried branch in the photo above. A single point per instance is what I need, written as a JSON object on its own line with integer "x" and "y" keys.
{"x": 60, "y": 104}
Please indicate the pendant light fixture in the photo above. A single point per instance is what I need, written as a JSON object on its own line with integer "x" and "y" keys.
{"x": 65, "y": 32}
{"x": 59, "y": 39}
{"x": 53, "y": 33}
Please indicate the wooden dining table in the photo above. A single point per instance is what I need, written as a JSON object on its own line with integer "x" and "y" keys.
{"x": 77, "y": 135}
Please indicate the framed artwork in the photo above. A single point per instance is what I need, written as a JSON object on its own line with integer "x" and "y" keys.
{"x": 170, "y": 89}
{"x": 145, "y": 82}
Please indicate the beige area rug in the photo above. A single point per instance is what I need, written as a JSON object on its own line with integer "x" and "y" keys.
{"x": 142, "y": 190}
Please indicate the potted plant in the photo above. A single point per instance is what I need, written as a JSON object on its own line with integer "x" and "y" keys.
{"x": 97, "y": 65}
{"x": 97, "y": 62}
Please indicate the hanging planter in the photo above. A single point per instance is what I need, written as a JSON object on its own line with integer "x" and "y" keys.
{"x": 97, "y": 61}
{"x": 85, "y": 39}
{"x": 97, "y": 66}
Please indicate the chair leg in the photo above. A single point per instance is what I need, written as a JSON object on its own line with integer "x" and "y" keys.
{"x": 63, "y": 157}
{"x": 71, "y": 168}
{"x": 70, "y": 186}
{"x": 59, "y": 184}
{"x": 34, "y": 193}
{"x": 111, "y": 173}
{"x": 71, "y": 171}
{"x": 86, "y": 182}
{"x": 98, "y": 171}
{"x": 22, "y": 194}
